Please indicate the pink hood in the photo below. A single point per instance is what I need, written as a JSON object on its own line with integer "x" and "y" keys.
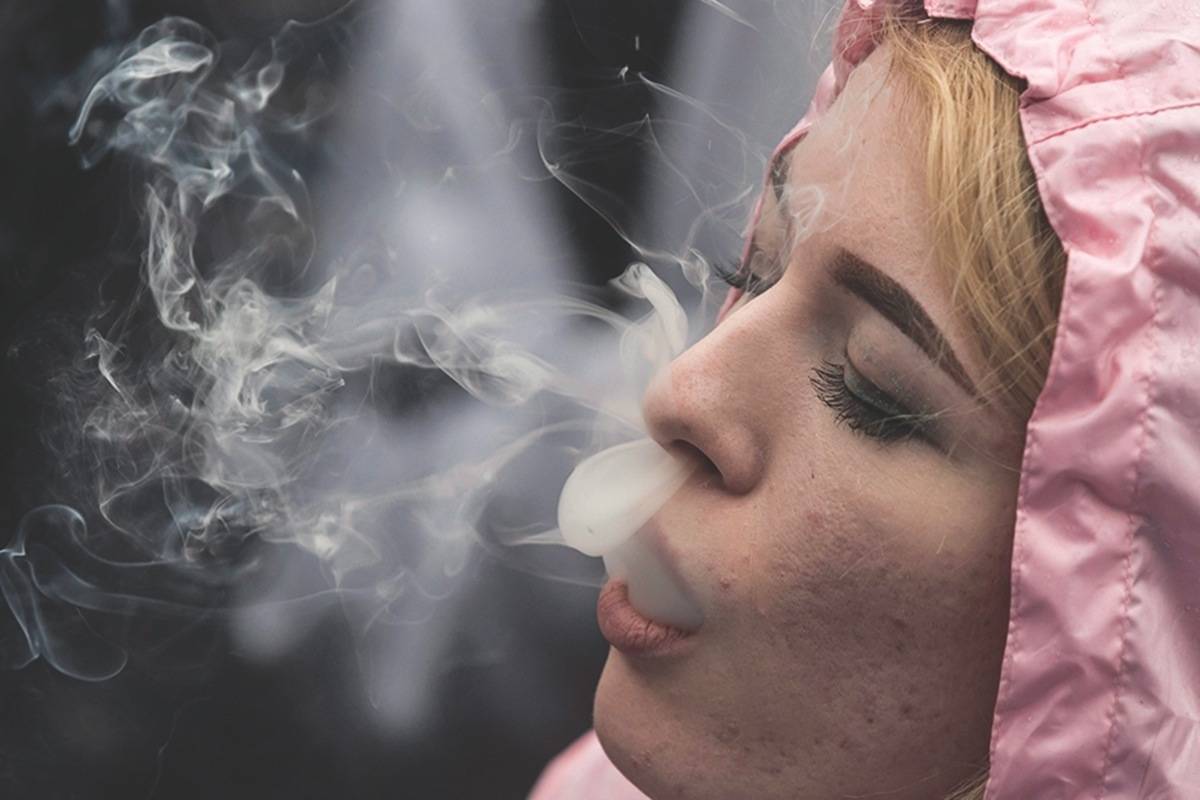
{"x": 1100, "y": 688}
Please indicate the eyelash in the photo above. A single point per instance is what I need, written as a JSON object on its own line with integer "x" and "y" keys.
{"x": 740, "y": 277}
{"x": 864, "y": 416}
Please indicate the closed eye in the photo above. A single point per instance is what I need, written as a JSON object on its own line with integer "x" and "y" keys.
{"x": 865, "y": 408}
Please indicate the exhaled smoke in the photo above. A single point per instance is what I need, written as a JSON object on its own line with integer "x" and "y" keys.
{"x": 220, "y": 432}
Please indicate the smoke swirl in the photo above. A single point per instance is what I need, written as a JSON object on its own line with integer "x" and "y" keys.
{"x": 224, "y": 424}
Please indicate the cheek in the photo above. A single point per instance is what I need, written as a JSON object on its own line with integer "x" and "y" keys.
{"x": 864, "y": 576}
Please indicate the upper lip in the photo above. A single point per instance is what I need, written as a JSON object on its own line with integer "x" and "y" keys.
{"x": 651, "y": 535}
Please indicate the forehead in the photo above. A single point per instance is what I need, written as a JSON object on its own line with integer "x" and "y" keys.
{"x": 864, "y": 157}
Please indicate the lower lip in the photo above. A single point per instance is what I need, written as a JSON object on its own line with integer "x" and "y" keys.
{"x": 629, "y": 631}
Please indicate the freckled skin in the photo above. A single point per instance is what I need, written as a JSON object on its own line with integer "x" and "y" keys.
{"x": 855, "y": 593}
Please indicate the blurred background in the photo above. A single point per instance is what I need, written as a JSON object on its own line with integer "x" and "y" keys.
{"x": 519, "y": 142}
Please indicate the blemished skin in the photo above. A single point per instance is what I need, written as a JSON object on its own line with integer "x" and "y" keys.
{"x": 855, "y": 591}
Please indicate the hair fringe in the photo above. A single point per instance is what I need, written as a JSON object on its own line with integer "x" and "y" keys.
{"x": 1002, "y": 261}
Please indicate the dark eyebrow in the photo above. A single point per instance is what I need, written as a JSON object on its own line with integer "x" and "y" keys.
{"x": 885, "y": 295}
{"x": 889, "y": 298}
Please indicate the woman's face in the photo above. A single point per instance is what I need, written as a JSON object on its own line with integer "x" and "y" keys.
{"x": 852, "y": 566}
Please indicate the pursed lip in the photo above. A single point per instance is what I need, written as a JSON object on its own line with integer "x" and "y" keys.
{"x": 646, "y": 607}
{"x": 630, "y": 631}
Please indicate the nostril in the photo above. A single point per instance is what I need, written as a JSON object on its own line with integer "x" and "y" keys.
{"x": 705, "y": 469}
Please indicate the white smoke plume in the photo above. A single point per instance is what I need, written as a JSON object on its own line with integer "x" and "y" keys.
{"x": 220, "y": 424}
{"x": 230, "y": 428}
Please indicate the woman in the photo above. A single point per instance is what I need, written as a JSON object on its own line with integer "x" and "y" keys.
{"x": 933, "y": 558}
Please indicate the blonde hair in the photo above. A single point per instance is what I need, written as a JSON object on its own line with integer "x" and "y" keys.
{"x": 970, "y": 789}
{"x": 1002, "y": 260}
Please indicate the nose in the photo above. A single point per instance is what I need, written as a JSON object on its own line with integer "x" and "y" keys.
{"x": 702, "y": 405}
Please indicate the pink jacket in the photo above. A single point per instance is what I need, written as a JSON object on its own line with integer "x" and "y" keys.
{"x": 1100, "y": 689}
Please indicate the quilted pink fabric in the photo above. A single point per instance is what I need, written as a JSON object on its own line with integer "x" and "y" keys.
{"x": 1100, "y": 689}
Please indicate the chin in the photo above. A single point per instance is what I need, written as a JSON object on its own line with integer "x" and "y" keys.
{"x": 654, "y": 729}
{"x": 635, "y": 731}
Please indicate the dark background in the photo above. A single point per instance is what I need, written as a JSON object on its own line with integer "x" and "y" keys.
{"x": 220, "y": 725}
